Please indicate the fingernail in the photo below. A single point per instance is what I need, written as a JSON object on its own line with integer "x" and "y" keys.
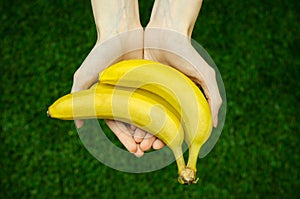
{"x": 78, "y": 123}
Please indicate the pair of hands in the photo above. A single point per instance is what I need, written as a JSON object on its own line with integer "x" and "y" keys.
{"x": 166, "y": 39}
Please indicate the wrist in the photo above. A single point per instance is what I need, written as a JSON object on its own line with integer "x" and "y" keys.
{"x": 176, "y": 15}
{"x": 167, "y": 23}
{"x": 115, "y": 16}
{"x": 116, "y": 29}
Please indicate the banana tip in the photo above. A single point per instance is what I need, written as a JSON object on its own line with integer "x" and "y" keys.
{"x": 48, "y": 114}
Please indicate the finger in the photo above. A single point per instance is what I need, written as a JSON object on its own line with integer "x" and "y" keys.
{"x": 215, "y": 119}
{"x": 139, "y": 153}
{"x": 158, "y": 144}
{"x": 214, "y": 107}
{"x": 79, "y": 123}
{"x": 123, "y": 126}
{"x": 147, "y": 143}
{"x": 139, "y": 135}
{"x": 125, "y": 138}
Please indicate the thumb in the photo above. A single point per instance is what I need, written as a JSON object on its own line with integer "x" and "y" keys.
{"x": 76, "y": 88}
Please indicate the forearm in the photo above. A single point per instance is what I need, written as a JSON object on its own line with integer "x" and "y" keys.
{"x": 177, "y": 15}
{"x": 115, "y": 16}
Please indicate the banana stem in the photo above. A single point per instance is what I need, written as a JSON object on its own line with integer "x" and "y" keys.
{"x": 177, "y": 151}
{"x": 194, "y": 150}
{"x": 188, "y": 174}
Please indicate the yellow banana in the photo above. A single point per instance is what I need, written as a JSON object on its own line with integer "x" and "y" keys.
{"x": 175, "y": 88}
{"x": 139, "y": 107}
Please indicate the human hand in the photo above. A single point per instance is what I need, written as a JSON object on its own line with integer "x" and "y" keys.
{"x": 117, "y": 40}
{"x": 167, "y": 39}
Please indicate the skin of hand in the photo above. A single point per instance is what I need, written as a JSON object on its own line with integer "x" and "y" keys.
{"x": 167, "y": 39}
{"x": 120, "y": 37}
{"x": 116, "y": 17}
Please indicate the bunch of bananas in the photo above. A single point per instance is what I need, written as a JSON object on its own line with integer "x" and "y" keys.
{"x": 152, "y": 96}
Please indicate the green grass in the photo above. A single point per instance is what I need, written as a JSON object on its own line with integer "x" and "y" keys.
{"x": 254, "y": 43}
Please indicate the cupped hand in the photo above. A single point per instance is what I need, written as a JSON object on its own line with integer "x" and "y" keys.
{"x": 167, "y": 39}
{"x": 175, "y": 49}
{"x": 127, "y": 45}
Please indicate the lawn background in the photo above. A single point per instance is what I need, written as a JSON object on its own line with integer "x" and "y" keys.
{"x": 255, "y": 45}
